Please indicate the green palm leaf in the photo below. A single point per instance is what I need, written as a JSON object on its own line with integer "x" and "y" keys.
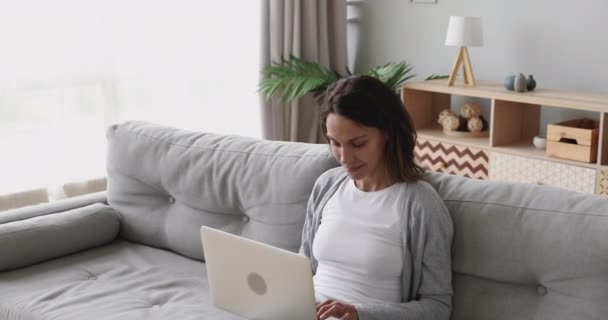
{"x": 436, "y": 76}
{"x": 293, "y": 78}
{"x": 392, "y": 74}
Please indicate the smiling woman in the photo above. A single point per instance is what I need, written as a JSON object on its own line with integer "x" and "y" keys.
{"x": 378, "y": 237}
{"x": 72, "y": 67}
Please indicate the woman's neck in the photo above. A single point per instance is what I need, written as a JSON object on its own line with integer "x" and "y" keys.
{"x": 375, "y": 182}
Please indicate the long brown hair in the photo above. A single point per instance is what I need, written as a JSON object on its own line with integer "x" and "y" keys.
{"x": 370, "y": 102}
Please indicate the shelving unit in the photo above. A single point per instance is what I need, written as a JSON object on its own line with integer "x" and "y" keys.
{"x": 515, "y": 118}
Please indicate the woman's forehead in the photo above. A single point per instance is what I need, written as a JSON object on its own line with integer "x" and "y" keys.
{"x": 343, "y": 128}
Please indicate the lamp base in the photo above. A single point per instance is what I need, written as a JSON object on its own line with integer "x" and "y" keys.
{"x": 462, "y": 58}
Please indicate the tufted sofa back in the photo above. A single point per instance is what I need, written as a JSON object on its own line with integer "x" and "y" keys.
{"x": 525, "y": 251}
{"x": 166, "y": 183}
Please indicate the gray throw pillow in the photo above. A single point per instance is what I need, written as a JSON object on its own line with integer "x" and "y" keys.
{"x": 37, "y": 239}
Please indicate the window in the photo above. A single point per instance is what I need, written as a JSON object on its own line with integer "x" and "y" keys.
{"x": 69, "y": 68}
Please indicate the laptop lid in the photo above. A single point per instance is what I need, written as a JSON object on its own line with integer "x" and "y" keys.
{"x": 255, "y": 280}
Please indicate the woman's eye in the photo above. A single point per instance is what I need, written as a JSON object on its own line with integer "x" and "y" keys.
{"x": 359, "y": 145}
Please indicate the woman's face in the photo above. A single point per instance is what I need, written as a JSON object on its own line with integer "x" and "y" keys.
{"x": 358, "y": 148}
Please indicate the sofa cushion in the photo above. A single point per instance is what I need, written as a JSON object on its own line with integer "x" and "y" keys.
{"x": 167, "y": 182}
{"x": 522, "y": 251}
{"x": 121, "y": 280}
{"x": 28, "y": 241}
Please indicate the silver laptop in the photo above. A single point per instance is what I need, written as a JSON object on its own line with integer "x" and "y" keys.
{"x": 255, "y": 280}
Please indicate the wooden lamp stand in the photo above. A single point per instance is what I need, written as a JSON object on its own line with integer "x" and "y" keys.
{"x": 462, "y": 58}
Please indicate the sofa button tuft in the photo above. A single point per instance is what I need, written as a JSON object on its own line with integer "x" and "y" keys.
{"x": 245, "y": 219}
{"x": 92, "y": 278}
{"x": 156, "y": 306}
{"x": 542, "y": 291}
{"x": 171, "y": 200}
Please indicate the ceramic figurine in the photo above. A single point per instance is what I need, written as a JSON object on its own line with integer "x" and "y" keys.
{"x": 520, "y": 83}
{"x": 509, "y": 82}
{"x": 531, "y": 83}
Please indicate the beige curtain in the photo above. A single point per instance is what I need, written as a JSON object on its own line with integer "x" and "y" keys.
{"x": 314, "y": 30}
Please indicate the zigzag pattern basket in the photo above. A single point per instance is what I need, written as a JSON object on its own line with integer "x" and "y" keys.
{"x": 443, "y": 157}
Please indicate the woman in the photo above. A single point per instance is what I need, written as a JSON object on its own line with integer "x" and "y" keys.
{"x": 377, "y": 236}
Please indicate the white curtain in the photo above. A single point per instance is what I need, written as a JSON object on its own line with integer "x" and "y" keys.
{"x": 69, "y": 68}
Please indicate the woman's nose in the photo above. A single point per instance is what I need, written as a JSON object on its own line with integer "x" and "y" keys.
{"x": 346, "y": 156}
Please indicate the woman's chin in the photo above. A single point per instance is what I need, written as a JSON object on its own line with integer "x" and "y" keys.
{"x": 357, "y": 174}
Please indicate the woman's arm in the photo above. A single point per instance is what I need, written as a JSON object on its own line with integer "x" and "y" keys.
{"x": 430, "y": 240}
{"x": 306, "y": 245}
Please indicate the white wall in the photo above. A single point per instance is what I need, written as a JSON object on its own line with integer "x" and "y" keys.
{"x": 562, "y": 43}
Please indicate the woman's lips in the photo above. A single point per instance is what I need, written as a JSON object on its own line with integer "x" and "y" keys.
{"x": 353, "y": 169}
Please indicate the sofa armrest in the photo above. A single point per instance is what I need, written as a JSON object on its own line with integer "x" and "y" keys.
{"x": 28, "y": 241}
{"x": 52, "y": 207}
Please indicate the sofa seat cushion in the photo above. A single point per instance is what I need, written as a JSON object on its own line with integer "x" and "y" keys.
{"x": 121, "y": 280}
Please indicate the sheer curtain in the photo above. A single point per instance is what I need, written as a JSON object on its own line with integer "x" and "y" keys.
{"x": 69, "y": 68}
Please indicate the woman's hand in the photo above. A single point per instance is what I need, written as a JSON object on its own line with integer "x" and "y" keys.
{"x": 338, "y": 310}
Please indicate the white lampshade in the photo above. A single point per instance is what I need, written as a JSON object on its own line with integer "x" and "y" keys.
{"x": 464, "y": 32}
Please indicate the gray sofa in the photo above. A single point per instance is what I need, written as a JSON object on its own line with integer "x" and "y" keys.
{"x": 519, "y": 251}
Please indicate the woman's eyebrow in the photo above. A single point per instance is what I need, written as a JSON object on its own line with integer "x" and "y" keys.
{"x": 359, "y": 137}
{"x": 351, "y": 140}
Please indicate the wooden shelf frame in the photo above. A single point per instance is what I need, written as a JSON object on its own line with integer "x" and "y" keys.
{"x": 489, "y": 90}
{"x": 514, "y": 117}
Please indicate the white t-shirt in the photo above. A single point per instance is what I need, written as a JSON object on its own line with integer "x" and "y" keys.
{"x": 359, "y": 246}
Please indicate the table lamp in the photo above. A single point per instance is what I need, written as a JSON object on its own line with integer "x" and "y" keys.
{"x": 463, "y": 32}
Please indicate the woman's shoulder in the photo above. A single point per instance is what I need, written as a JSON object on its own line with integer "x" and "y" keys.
{"x": 326, "y": 182}
{"x": 421, "y": 195}
{"x": 331, "y": 176}
{"x": 421, "y": 188}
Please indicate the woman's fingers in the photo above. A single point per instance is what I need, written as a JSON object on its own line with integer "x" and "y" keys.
{"x": 333, "y": 310}
{"x": 323, "y": 304}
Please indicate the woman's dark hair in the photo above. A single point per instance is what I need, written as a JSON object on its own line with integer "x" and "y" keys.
{"x": 370, "y": 102}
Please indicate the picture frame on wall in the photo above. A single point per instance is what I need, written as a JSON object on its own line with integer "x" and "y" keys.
{"x": 424, "y": 1}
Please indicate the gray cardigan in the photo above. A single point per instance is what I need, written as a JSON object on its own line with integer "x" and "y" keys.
{"x": 427, "y": 271}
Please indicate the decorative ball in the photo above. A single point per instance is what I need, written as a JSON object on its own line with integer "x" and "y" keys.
{"x": 470, "y": 110}
{"x": 445, "y": 113}
{"x": 530, "y": 83}
{"x": 475, "y": 124}
{"x": 520, "y": 83}
{"x": 451, "y": 123}
{"x": 509, "y": 82}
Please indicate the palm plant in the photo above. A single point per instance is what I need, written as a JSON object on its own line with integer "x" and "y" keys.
{"x": 293, "y": 78}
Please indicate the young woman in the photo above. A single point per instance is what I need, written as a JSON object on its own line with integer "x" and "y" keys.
{"x": 378, "y": 237}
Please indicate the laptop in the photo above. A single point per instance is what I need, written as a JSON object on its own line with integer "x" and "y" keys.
{"x": 255, "y": 280}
